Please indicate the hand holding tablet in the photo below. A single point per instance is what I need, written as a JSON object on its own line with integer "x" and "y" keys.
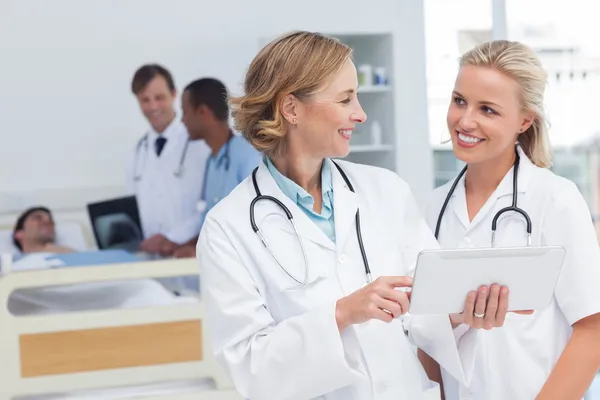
{"x": 445, "y": 278}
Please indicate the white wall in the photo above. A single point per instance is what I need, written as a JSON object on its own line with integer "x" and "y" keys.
{"x": 68, "y": 119}
{"x": 415, "y": 159}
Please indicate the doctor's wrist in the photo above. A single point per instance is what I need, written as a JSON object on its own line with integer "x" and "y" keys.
{"x": 456, "y": 320}
{"x": 341, "y": 316}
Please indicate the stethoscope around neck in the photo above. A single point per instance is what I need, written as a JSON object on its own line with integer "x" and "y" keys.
{"x": 304, "y": 281}
{"x": 514, "y": 207}
{"x": 178, "y": 172}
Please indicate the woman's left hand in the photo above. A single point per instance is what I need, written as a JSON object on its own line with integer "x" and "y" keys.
{"x": 483, "y": 311}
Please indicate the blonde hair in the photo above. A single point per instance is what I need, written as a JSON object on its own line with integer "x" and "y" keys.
{"x": 298, "y": 63}
{"x": 520, "y": 63}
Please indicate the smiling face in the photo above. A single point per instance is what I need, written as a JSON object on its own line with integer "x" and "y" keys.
{"x": 156, "y": 101}
{"x": 485, "y": 115}
{"x": 325, "y": 121}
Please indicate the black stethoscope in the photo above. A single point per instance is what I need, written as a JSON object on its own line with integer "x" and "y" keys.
{"x": 290, "y": 217}
{"x": 143, "y": 142}
{"x": 513, "y": 207}
{"x": 224, "y": 159}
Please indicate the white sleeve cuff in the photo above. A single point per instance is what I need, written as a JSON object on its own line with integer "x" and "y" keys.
{"x": 459, "y": 331}
{"x": 186, "y": 231}
{"x": 454, "y": 350}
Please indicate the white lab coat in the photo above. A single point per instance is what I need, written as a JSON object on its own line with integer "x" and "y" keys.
{"x": 280, "y": 344}
{"x": 168, "y": 204}
{"x": 514, "y": 361}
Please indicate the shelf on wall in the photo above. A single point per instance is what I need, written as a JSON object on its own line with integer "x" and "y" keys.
{"x": 365, "y": 148}
{"x": 374, "y": 89}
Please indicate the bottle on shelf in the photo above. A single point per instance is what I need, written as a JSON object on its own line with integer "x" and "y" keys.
{"x": 365, "y": 75}
{"x": 376, "y": 133}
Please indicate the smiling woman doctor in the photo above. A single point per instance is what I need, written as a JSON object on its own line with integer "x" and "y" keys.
{"x": 287, "y": 258}
{"x": 498, "y": 100}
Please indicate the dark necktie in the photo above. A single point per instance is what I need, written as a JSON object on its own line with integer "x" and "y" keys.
{"x": 159, "y": 145}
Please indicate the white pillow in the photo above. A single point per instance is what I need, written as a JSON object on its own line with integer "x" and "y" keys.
{"x": 69, "y": 234}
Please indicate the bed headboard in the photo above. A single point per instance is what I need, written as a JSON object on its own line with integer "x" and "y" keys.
{"x": 103, "y": 349}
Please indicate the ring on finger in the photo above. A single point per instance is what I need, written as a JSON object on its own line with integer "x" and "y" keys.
{"x": 479, "y": 315}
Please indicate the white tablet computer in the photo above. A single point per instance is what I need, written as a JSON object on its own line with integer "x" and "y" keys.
{"x": 443, "y": 278}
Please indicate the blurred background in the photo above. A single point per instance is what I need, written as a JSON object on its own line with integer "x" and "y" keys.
{"x": 69, "y": 121}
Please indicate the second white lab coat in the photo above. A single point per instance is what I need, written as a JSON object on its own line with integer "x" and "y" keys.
{"x": 513, "y": 362}
{"x": 281, "y": 344}
{"x": 167, "y": 203}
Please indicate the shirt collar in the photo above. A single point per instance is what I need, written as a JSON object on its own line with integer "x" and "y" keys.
{"x": 294, "y": 191}
{"x": 169, "y": 132}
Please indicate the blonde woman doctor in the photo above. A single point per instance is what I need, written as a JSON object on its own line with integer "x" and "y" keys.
{"x": 304, "y": 264}
{"x": 552, "y": 353}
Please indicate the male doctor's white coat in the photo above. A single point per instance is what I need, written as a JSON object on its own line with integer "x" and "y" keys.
{"x": 279, "y": 341}
{"x": 168, "y": 203}
{"x": 513, "y": 362}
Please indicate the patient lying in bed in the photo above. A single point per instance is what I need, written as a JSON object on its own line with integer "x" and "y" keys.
{"x": 34, "y": 235}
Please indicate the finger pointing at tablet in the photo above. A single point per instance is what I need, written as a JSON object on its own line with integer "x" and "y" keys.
{"x": 377, "y": 300}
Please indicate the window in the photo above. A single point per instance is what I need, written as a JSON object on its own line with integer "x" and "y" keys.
{"x": 451, "y": 28}
{"x": 565, "y": 37}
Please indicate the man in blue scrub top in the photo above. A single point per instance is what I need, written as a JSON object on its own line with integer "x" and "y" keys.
{"x": 206, "y": 117}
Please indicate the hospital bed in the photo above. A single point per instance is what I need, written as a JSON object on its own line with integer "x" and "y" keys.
{"x": 154, "y": 352}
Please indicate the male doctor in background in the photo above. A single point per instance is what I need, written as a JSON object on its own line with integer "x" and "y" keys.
{"x": 167, "y": 169}
{"x": 206, "y": 117}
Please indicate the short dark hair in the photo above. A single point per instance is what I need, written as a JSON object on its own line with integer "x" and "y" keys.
{"x": 212, "y": 93}
{"x": 21, "y": 222}
{"x": 146, "y": 73}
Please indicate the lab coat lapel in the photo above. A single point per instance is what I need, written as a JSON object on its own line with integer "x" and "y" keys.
{"x": 345, "y": 205}
{"x": 462, "y": 212}
{"x": 307, "y": 229}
